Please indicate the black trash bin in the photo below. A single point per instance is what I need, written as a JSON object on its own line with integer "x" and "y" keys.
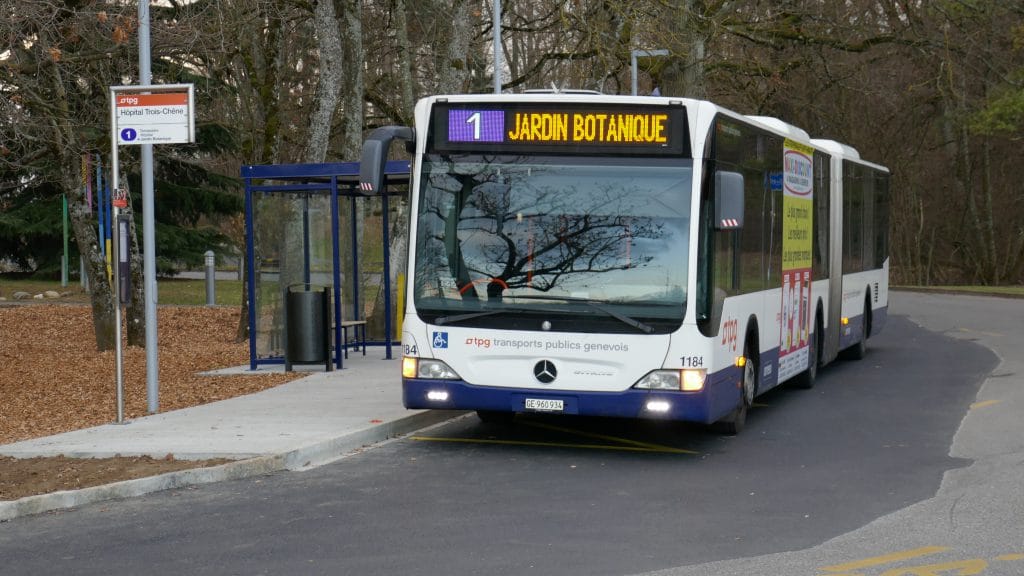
{"x": 307, "y": 326}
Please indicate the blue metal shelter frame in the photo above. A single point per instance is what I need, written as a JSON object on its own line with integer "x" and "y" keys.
{"x": 339, "y": 179}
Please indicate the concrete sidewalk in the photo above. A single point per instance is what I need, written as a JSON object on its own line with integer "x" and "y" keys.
{"x": 300, "y": 424}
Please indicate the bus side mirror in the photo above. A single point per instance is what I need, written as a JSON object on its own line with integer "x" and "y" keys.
{"x": 728, "y": 200}
{"x": 375, "y": 157}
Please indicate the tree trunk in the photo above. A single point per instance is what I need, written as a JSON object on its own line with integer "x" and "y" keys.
{"x": 136, "y": 313}
{"x": 399, "y": 214}
{"x": 95, "y": 265}
{"x": 262, "y": 63}
{"x": 328, "y": 90}
{"x": 684, "y": 75}
{"x": 958, "y": 147}
{"x": 453, "y": 71}
{"x": 405, "y": 60}
{"x": 354, "y": 95}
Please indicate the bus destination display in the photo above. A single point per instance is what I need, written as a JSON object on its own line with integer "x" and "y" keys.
{"x": 520, "y": 128}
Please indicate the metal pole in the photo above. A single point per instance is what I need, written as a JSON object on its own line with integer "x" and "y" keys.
{"x": 108, "y": 224}
{"x": 496, "y": 25}
{"x": 148, "y": 227}
{"x": 211, "y": 261}
{"x": 336, "y": 269}
{"x": 632, "y": 67}
{"x": 101, "y": 212}
{"x": 64, "y": 260}
{"x": 306, "y": 251}
{"x": 355, "y": 262}
{"x": 250, "y": 259}
{"x": 116, "y": 299}
{"x": 387, "y": 271}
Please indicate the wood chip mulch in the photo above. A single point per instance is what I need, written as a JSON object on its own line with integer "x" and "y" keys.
{"x": 53, "y": 380}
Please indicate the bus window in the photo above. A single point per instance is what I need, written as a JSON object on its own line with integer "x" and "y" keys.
{"x": 853, "y": 218}
{"x": 868, "y": 201}
{"x": 822, "y": 178}
{"x": 881, "y": 218}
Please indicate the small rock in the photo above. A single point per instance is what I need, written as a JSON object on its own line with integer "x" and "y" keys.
{"x": 51, "y": 294}
{"x": 37, "y": 297}
{"x": 22, "y": 295}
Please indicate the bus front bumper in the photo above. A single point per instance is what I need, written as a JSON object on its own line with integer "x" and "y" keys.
{"x": 718, "y": 398}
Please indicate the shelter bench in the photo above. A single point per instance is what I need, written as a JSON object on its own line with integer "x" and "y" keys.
{"x": 358, "y": 335}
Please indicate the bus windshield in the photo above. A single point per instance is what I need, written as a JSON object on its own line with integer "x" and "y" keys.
{"x": 553, "y": 243}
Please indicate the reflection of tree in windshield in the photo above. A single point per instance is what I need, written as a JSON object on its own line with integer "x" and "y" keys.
{"x": 536, "y": 245}
{"x": 545, "y": 228}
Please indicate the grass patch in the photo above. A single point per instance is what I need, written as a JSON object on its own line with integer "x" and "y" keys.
{"x": 9, "y": 285}
{"x": 184, "y": 292}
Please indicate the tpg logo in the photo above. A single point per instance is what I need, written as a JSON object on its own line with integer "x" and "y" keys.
{"x": 478, "y": 342}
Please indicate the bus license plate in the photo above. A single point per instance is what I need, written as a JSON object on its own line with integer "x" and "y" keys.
{"x": 544, "y": 405}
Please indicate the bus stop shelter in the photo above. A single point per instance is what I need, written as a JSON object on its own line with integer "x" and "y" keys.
{"x": 294, "y": 216}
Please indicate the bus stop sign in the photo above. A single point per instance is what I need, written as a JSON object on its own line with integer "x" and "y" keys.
{"x": 155, "y": 118}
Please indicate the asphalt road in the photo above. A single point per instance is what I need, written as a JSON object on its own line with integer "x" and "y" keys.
{"x": 820, "y": 482}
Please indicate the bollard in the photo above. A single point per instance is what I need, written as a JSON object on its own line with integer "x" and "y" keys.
{"x": 210, "y": 272}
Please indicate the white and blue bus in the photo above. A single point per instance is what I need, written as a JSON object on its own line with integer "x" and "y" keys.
{"x": 636, "y": 257}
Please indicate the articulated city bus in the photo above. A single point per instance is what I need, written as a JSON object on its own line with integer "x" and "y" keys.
{"x": 637, "y": 257}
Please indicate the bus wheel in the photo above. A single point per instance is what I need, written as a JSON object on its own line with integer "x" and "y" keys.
{"x": 805, "y": 380}
{"x": 495, "y": 417}
{"x": 734, "y": 422}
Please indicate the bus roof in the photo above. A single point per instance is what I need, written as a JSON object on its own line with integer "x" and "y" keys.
{"x": 581, "y": 96}
{"x": 837, "y": 148}
{"x": 784, "y": 127}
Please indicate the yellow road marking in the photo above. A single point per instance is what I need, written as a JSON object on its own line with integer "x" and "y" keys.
{"x": 648, "y": 446}
{"x": 886, "y": 559}
{"x": 962, "y": 567}
{"x": 984, "y": 403}
{"x": 1010, "y": 557}
{"x": 551, "y": 444}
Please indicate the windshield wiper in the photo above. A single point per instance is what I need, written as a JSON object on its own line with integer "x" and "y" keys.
{"x": 442, "y": 320}
{"x": 600, "y": 305}
{"x": 456, "y": 318}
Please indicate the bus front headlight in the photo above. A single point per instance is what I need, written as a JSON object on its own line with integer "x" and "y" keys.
{"x": 427, "y": 368}
{"x": 693, "y": 379}
{"x": 688, "y": 380}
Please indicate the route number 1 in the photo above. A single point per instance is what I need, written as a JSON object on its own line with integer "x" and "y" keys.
{"x": 474, "y": 119}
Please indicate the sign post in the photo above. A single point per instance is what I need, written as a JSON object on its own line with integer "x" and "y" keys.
{"x": 156, "y": 114}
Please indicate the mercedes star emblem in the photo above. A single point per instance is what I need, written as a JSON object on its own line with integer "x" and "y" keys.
{"x": 545, "y": 372}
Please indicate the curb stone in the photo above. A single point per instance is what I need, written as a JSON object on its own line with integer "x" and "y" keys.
{"x": 65, "y": 499}
{"x": 304, "y": 458}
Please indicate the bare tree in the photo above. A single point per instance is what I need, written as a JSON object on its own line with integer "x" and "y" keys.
{"x": 60, "y": 58}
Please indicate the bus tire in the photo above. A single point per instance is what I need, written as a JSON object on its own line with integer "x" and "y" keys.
{"x": 805, "y": 380}
{"x": 495, "y": 417}
{"x": 734, "y": 422}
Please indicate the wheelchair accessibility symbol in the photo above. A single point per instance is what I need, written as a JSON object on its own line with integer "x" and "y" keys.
{"x": 440, "y": 340}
